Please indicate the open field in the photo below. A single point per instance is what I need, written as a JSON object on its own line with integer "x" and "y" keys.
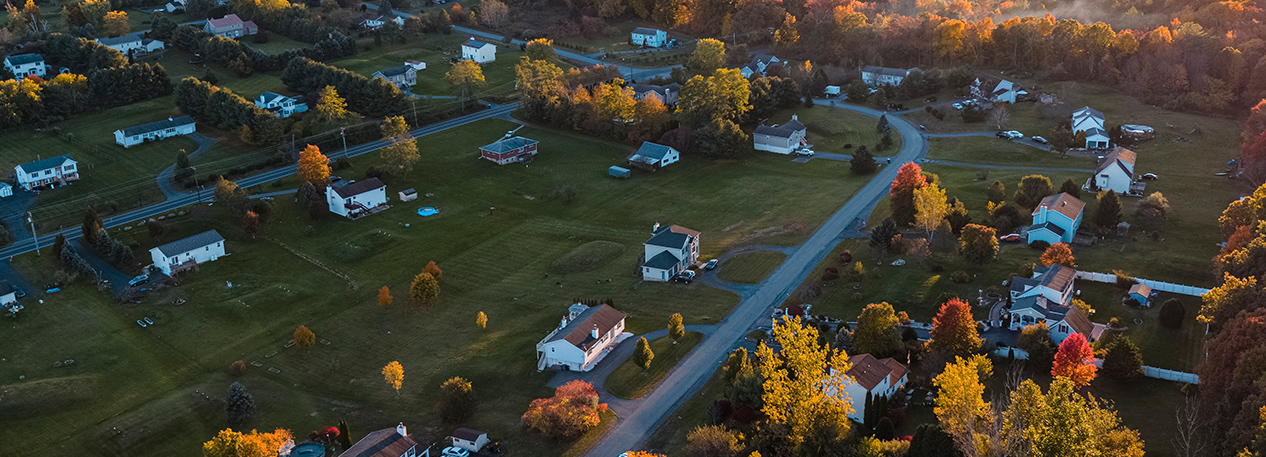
{"x": 496, "y": 247}
{"x": 836, "y": 130}
{"x": 995, "y": 151}
{"x": 750, "y": 267}
{"x": 631, "y": 381}
{"x": 436, "y": 51}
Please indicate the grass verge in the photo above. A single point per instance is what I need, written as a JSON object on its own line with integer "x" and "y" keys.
{"x": 630, "y": 381}
{"x": 750, "y": 267}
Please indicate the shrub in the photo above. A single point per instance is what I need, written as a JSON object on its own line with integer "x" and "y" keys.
{"x": 457, "y": 400}
{"x": 342, "y": 164}
{"x": 1114, "y": 323}
{"x": 238, "y": 368}
{"x": 846, "y": 257}
{"x": 572, "y": 410}
{"x": 831, "y": 274}
{"x": 1039, "y": 245}
{"x": 960, "y": 277}
{"x": 1172, "y": 314}
{"x": 1124, "y": 280}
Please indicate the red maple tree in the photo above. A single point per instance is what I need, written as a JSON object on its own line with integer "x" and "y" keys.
{"x": 1075, "y": 361}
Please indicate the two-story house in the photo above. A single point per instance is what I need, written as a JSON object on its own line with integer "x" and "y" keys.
{"x": 404, "y": 77}
{"x": 1056, "y": 219}
{"x": 357, "y": 199}
{"x": 479, "y": 51}
{"x": 994, "y": 90}
{"x": 281, "y": 105}
{"x": 510, "y": 150}
{"x": 582, "y": 339}
{"x": 154, "y": 131}
{"x": 671, "y": 250}
{"x": 1047, "y": 298}
{"x": 653, "y": 156}
{"x": 873, "y": 378}
{"x": 759, "y": 65}
{"x": 1116, "y": 172}
{"x": 230, "y": 26}
{"x": 184, "y": 254}
{"x": 667, "y": 94}
{"x": 781, "y": 139}
{"x": 875, "y": 76}
{"x": 134, "y": 42}
{"x": 646, "y": 36}
{"x": 391, "y": 442}
{"x": 61, "y": 170}
{"x": 1089, "y": 122}
{"x": 23, "y": 65}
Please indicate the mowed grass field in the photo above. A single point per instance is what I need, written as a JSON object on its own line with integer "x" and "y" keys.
{"x": 996, "y": 151}
{"x": 437, "y": 51}
{"x": 139, "y": 391}
{"x": 750, "y": 267}
{"x": 831, "y": 130}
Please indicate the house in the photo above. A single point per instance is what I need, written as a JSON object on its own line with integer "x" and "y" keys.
{"x": 1141, "y": 293}
{"x": 479, "y": 51}
{"x": 1138, "y": 132}
{"x": 1056, "y": 219}
{"x": 582, "y": 339}
{"x": 357, "y": 199}
{"x": 671, "y": 250}
{"x": 873, "y": 378}
{"x": 1061, "y": 319}
{"x": 654, "y": 156}
{"x": 230, "y": 26}
{"x": 993, "y": 90}
{"x": 391, "y": 442}
{"x": 510, "y": 150}
{"x": 281, "y": 105}
{"x": 175, "y": 5}
{"x": 23, "y": 65}
{"x": 1090, "y": 121}
{"x": 132, "y": 42}
{"x": 304, "y": 449}
{"x": 781, "y": 139}
{"x": 403, "y": 77}
{"x": 667, "y": 94}
{"x": 8, "y": 295}
{"x": 1053, "y": 283}
{"x": 883, "y": 76}
{"x": 759, "y": 65}
{"x": 468, "y": 439}
{"x": 1116, "y": 172}
{"x": 61, "y": 169}
{"x": 651, "y": 38}
{"x": 374, "y": 21}
{"x": 181, "y": 255}
{"x": 6, "y": 190}
{"x": 154, "y": 131}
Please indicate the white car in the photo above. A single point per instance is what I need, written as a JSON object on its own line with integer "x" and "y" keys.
{"x": 804, "y": 152}
{"x": 1014, "y": 134}
{"x": 1040, "y": 140}
{"x": 454, "y": 451}
{"x": 957, "y": 105}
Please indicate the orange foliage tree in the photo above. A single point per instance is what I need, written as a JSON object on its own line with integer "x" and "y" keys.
{"x": 1075, "y": 361}
{"x": 229, "y": 443}
{"x": 314, "y": 167}
{"x": 1058, "y": 253}
{"x": 434, "y": 270}
{"x": 304, "y": 337}
{"x": 384, "y": 296}
{"x": 909, "y": 177}
{"x": 572, "y": 410}
{"x": 954, "y": 330}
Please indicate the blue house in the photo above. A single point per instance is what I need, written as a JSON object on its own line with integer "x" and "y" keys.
{"x": 1056, "y": 219}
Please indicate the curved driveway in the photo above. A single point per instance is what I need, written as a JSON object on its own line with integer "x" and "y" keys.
{"x": 696, "y": 368}
{"x": 165, "y": 176}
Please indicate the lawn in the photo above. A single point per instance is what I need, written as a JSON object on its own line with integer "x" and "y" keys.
{"x": 750, "y": 267}
{"x": 630, "y": 381}
{"x": 176, "y": 62}
{"x": 499, "y": 236}
{"x": 994, "y": 151}
{"x": 670, "y": 437}
{"x": 437, "y": 51}
{"x": 837, "y": 130}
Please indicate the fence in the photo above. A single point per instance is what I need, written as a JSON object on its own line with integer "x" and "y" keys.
{"x": 1019, "y": 354}
{"x": 1155, "y": 285}
{"x": 1170, "y": 375}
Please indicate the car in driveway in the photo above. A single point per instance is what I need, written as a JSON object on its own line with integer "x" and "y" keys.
{"x": 806, "y": 152}
{"x": 957, "y": 105}
{"x": 1040, "y": 140}
{"x": 1001, "y": 134}
{"x": 685, "y": 277}
{"x": 1013, "y": 134}
{"x": 1012, "y": 238}
{"x": 138, "y": 280}
{"x": 712, "y": 265}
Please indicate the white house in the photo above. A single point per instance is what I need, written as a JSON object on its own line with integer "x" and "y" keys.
{"x": 1053, "y": 283}
{"x": 8, "y": 294}
{"x": 6, "y": 190}
{"x": 404, "y": 77}
{"x": 468, "y": 439}
{"x": 874, "y": 377}
{"x": 781, "y": 139}
{"x": 281, "y": 105}
{"x": 759, "y": 64}
{"x": 181, "y": 255}
{"x": 994, "y": 90}
{"x": 654, "y": 156}
{"x": 1047, "y": 298}
{"x": 61, "y": 169}
{"x": 670, "y": 250}
{"x": 374, "y": 21}
{"x": 651, "y": 38}
{"x": 358, "y": 199}
{"x": 174, "y": 5}
{"x": 391, "y": 442}
{"x": 875, "y": 76}
{"x": 1090, "y": 121}
{"x": 230, "y": 26}
{"x": 479, "y": 51}
{"x": 667, "y": 94}
{"x": 1115, "y": 172}
{"x": 23, "y": 65}
{"x": 154, "y": 131}
{"x": 1056, "y": 219}
{"x": 581, "y": 339}
{"x": 132, "y": 42}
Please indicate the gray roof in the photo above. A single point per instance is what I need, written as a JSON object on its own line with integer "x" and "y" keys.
{"x": 1095, "y": 131}
{"x": 45, "y": 164}
{"x": 270, "y": 96}
{"x": 646, "y": 31}
{"x": 667, "y": 237}
{"x": 781, "y": 131}
{"x": 473, "y": 43}
{"x": 652, "y": 151}
{"x": 761, "y": 57}
{"x": 159, "y": 125}
{"x": 21, "y": 59}
{"x": 886, "y": 71}
{"x": 662, "y": 90}
{"x": 1088, "y": 110}
{"x": 358, "y": 188}
{"x": 134, "y": 36}
{"x": 508, "y": 144}
{"x": 394, "y": 71}
{"x": 206, "y": 238}
{"x": 663, "y": 261}
{"x": 5, "y": 288}
{"x": 1046, "y": 308}
{"x": 577, "y": 331}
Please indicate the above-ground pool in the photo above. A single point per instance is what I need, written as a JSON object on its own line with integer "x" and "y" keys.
{"x": 426, "y": 211}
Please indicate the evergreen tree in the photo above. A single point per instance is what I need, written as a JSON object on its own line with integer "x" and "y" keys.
{"x": 884, "y": 430}
{"x": 883, "y": 126}
{"x": 91, "y": 225}
{"x": 1108, "y": 214}
{"x": 238, "y": 404}
{"x": 930, "y": 441}
{"x": 1071, "y": 188}
{"x": 863, "y": 162}
{"x": 643, "y": 355}
{"x": 881, "y": 236}
{"x": 1171, "y": 314}
{"x": 997, "y": 192}
{"x": 344, "y": 436}
{"x": 1123, "y": 360}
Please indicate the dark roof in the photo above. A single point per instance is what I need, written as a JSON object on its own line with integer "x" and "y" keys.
{"x": 1042, "y": 306}
{"x": 508, "y": 144}
{"x": 1062, "y": 203}
{"x": 21, "y": 59}
{"x": 395, "y": 71}
{"x": 1119, "y": 157}
{"x": 206, "y": 238}
{"x": 270, "y": 96}
{"x": 134, "y": 36}
{"x": 1079, "y": 322}
{"x": 45, "y": 164}
{"x": 1088, "y": 110}
{"x": 781, "y": 131}
{"x": 761, "y": 57}
{"x": 663, "y": 261}
{"x": 1057, "y": 276}
{"x": 466, "y": 434}
{"x": 646, "y": 31}
{"x": 1049, "y": 226}
{"x": 671, "y": 236}
{"x": 358, "y": 188}
{"x": 869, "y": 371}
{"x": 652, "y": 151}
{"x": 5, "y": 288}
{"x": 577, "y": 332}
{"x": 473, "y": 43}
{"x": 381, "y": 443}
{"x": 158, "y": 125}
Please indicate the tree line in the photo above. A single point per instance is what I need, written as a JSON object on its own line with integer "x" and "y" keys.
{"x": 227, "y": 110}
{"x": 243, "y": 59}
{"x": 369, "y": 96}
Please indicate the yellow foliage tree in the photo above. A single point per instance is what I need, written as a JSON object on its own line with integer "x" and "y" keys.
{"x": 465, "y": 78}
{"x": 960, "y": 406}
{"x": 314, "y": 167}
{"x": 481, "y": 320}
{"x": 229, "y": 443}
{"x": 425, "y": 288}
{"x": 393, "y": 373}
{"x": 116, "y": 24}
{"x": 402, "y": 152}
{"x": 303, "y": 337}
{"x": 930, "y": 206}
{"x": 804, "y": 384}
{"x": 384, "y": 296}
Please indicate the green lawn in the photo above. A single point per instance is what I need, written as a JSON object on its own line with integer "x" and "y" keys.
{"x": 750, "y": 267}
{"x": 436, "y": 51}
{"x": 631, "y": 381}
{"x": 837, "y": 130}
{"x": 1174, "y": 349}
{"x": 994, "y": 151}
{"x": 670, "y": 437}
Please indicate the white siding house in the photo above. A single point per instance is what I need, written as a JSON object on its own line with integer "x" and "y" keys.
{"x": 582, "y": 339}
{"x": 654, "y": 156}
{"x": 468, "y": 439}
{"x": 6, "y": 190}
{"x": 479, "y": 51}
{"x": 154, "y": 131}
{"x": 994, "y": 90}
{"x": 355, "y": 200}
{"x": 1090, "y": 121}
{"x": 61, "y": 169}
{"x": 230, "y": 26}
{"x": 23, "y": 65}
{"x": 883, "y": 76}
{"x": 780, "y": 139}
{"x": 870, "y": 376}
{"x": 1115, "y": 172}
{"x": 651, "y": 38}
{"x": 1047, "y": 298}
{"x": 184, "y": 254}
{"x": 132, "y": 42}
{"x": 404, "y": 77}
{"x": 671, "y": 250}
{"x": 1056, "y": 219}
{"x": 281, "y": 105}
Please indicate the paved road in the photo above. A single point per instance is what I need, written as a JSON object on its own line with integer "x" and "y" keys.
{"x": 695, "y": 369}
{"x": 164, "y": 177}
{"x": 1027, "y": 141}
{"x": 1005, "y": 167}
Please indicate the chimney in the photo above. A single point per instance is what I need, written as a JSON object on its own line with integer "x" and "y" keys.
{"x": 655, "y": 228}
{"x": 169, "y": 119}
{"x": 594, "y": 333}
{"x": 563, "y": 323}
{"x": 401, "y": 430}
{"x": 794, "y": 118}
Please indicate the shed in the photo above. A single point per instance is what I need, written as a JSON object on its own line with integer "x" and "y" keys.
{"x": 1141, "y": 293}
{"x": 6, "y": 189}
{"x": 408, "y": 195}
{"x": 619, "y": 172}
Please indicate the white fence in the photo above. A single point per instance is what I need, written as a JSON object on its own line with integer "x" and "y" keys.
{"x": 1020, "y": 354}
{"x": 1155, "y": 285}
{"x": 1170, "y": 375}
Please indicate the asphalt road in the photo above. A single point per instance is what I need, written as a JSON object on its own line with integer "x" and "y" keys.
{"x": 694, "y": 370}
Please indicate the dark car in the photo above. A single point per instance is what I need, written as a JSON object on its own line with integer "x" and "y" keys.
{"x": 1002, "y": 134}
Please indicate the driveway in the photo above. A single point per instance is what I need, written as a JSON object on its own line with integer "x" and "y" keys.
{"x": 165, "y": 183}
{"x": 7, "y": 273}
{"x": 13, "y": 212}
{"x": 118, "y": 279}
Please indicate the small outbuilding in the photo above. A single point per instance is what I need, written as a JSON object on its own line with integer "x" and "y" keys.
{"x": 408, "y": 195}
{"x": 6, "y": 190}
{"x": 1141, "y": 293}
{"x": 653, "y": 156}
{"x": 469, "y": 439}
{"x": 619, "y": 172}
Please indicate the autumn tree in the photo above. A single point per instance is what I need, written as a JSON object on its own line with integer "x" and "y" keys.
{"x": 724, "y": 95}
{"x": 1036, "y": 340}
{"x": 229, "y": 443}
{"x": 876, "y": 332}
{"x": 1153, "y": 211}
{"x": 330, "y": 110}
{"x": 481, "y": 320}
{"x": 465, "y": 78}
{"x": 954, "y": 329}
{"x": 541, "y": 49}
{"x": 314, "y": 167}
{"x": 1075, "y": 360}
{"x": 434, "y": 270}
{"x": 493, "y": 13}
{"x": 802, "y": 385}
{"x": 979, "y": 244}
{"x": 675, "y": 328}
{"x": 1058, "y": 253}
{"x": 116, "y": 24}
{"x": 401, "y": 152}
{"x": 229, "y": 195}
{"x": 393, "y": 374}
{"x": 643, "y": 355}
{"x": 1061, "y": 422}
{"x": 239, "y": 406}
{"x": 930, "y": 207}
{"x": 1122, "y": 359}
{"x": 425, "y": 288}
{"x": 1071, "y": 188}
{"x": 708, "y": 56}
{"x": 251, "y": 223}
{"x": 1033, "y": 188}
{"x": 572, "y": 410}
{"x": 384, "y": 296}
{"x": 901, "y": 193}
{"x": 712, "y": 441}
{"x": 303, "y": 337}
{"x": 959, "y": 404}
{"x": 997, "y": 192}
{"x": 457, "y": 400}
{"x": 1108, "y": 214}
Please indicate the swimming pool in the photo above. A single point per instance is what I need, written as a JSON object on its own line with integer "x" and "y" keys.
{"x": 427, "y": 211}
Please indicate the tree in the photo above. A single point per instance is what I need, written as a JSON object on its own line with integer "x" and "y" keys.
{"x": 712, "y": 441}
{"x": 1036, "y": 340}
{"x": 798, "y": 385}
{"x": 250, "y": 223}
{"x": 723, "y": 95}
{"x": 91, "y": 225}
{"x": 425, "y": 288}
{"x": 1058, "y": 253}
{"x": 228, "y": 194}
{"x": 959, "y": 405}
{"x": 708, "y": 56}
{"x": 881, "y": 236}
{"x": 465, "y": 78}
{"x": 402, "y": 150}
{"x": 651, "y": 115}
{"x": 1061, "y": 140}
{"x": 883, "y": 126}
{"x": 493, "y": 13}
{"x": 1108, "y": 214}
{"x": 116, "y": 24}
{"x": 541, "y": 49}
{"x": 1153, "y": 211}
{"x": 954, "y": 329}
{"x": 1224, "y": 302}
{"x": 1171, "y": 314}
{"x": 393, "y": 374}
{"x": 999, "y": 116}
{"x": 314, "y": 167}
{"x": 720, "y": 139}
{"x": 675, "y": 328}
{"x": 643, "y": 355}
{"x": 884, "y": 430}
{"x": 457, "y": 400}
{"x": 958, "y": 216}
{"x": 331, "y": 109}
{"x": 1122, "y": 360}
{"x": 184, "y": 168}
{"x": 979, "y": 244}
{"x": 901, "y": 193}
{"x": 863, "y": 162}
{"x": 238, "y": 404}
{"x": 1075, "y": 360}
{"x": 930, "y": 207}
{"x": 1033, "y": 188}
{"x": 930, "y": 441}
{"x": 434, "y": 270}
{"x": 229, "y": 443}
{"x": 481, "y": 320}
{"x": 997, "y": 192}
{"x": 572, "y": 410}
{"x": 876, "y": 332}
{"x": 303, "y": 337}
{"x": 1071, "y": 188}
{"x": 384, "y": 296}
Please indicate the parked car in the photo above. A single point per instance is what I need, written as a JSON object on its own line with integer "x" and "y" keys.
{"x": 147, "y": 321}
{"x": 454, "y": 451}
{"x": 1040, "y": 140}
{"x": 712, "y": 265}
{"x": 1012, "y": 134}
{"x": 685, "y": 277}
{"x": 804, "y": 152}
{"x": 1149, "y": 176}
{"x": 138, "y": 280}
{"x": 1001, "y": 134}
{"x": 1012, "y": 238}
{"x": 957, "y": 105}
{"x": 141, "y": 323}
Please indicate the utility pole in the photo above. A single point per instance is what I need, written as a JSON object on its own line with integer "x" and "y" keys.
{"x": 342, "y": 131}
{"x": 34, "y": 236}
{"x": 197, "y": 187}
